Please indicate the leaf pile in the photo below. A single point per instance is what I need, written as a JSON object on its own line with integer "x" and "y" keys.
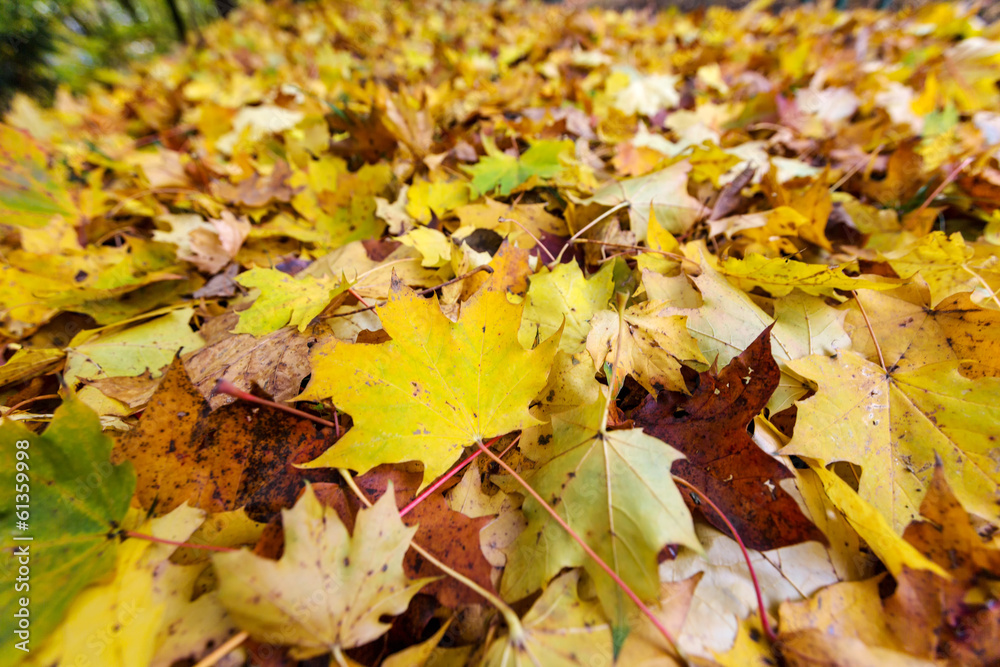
{"x": 685, "y": 275}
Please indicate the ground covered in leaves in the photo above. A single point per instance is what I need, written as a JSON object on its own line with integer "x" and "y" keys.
{"x": 675, "y": 279}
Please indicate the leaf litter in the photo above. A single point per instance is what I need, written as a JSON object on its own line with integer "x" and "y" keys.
{"x": 511, "y": 336}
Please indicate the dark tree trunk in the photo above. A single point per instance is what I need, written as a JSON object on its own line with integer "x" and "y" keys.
{"x": 129, "y": 8}
{"x": 223, "y": 7}
{"x": 175, "y": 13}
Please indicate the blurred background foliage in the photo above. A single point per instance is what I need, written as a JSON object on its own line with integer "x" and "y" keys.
{"x": 75, "y": 43}
{"x": 44, "y": 43}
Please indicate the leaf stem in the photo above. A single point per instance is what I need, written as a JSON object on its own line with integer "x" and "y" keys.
{"x": 509, "y": 616}
{"x": 227, "y": 387}
{"x": 218, "y": 654}
{"x": 186, "y": 545}
{"x": 451, "y": 473}
{"x": 357, "y": 296}
{"x": 602, "y": 216}
{"x": 765, "y": 623}
{"x": 945, "y": 183}
{"x": 590, "y": 552}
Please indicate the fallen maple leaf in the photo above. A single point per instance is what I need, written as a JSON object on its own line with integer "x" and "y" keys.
{"x": 662, "y": 194}
{"x": 564, "y": 298}
{"x": 436, "y": 387}
{"x": 894, "y": 423}
{"x": 95, "y": 354}
{"x": 77, "y": 500}
{"x": 647, "y": 342}
{"x": 710, "y": 429}
{"x": 447, "y": 535}
{"x": 503, "y": 172}
{"x": 238, "y": 455}
{"x": 600, "y": 482}
{"x": 285, "y": 300}
{"x": 329, "y": 591}
{"x": 276, "y": 362}
{"x": 781, "y": 276}
{"x": 559, "y": 629}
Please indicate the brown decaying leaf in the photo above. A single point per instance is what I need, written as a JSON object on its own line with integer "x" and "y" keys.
{"x": 939, "y": 618}
{"x": 448, "y": 535}
{"x": 238, "y": 455}
{"x": 710, "y": 428}
{"x": 921, "y": 618}
{"x": 276, "y": 363}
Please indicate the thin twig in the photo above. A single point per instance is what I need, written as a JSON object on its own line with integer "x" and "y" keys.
{"x": 533, "y": 237}
{"x": 225, "y": 649}
{"x": 29, "y": 400}
{"x": 422, "y": 292}
{"x": 670, "y": 255}
{"x": 590, "y": 552}
{"x": 372, "y": 270}
{"x": 765, "y": 623}
{"x": 878, "y": 348}
{"x": 861, "y": 163}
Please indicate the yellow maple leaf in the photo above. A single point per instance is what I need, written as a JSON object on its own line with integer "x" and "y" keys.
{"x": 436, "y": 387}
{"x": 894, "y": 423}
{"x": 891, "y": 549}
{"x": 285, "y": 300}
{"x": 646, "y": 342}
{"x": 564, "y": 295}
{"x": 780, "y": 276}
{"x": 948, "y": 265}
{"x": 435, "y": 197}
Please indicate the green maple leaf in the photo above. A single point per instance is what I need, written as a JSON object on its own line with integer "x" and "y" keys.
{"x": 285, "y": 299}
{"x": 614, "y": 488}
{"x": 76, "y": 501}
{"x": 498, "y": 170}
